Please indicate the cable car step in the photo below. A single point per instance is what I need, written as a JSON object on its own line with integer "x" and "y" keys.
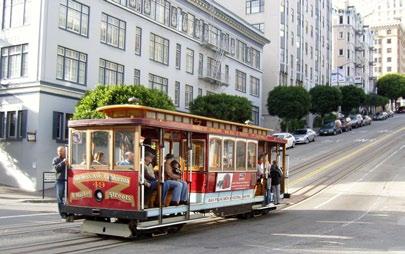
{"x": 105, "y": 228}
{"x": 170, "y": 221}
{"x": 270, "y": 206}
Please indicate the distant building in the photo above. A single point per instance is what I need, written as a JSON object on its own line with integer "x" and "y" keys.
{"x": 389, "y": 54}
{"x": 53, "y": 51}
{"x": 352, "y": 50}
{"x": 301, "y": 41}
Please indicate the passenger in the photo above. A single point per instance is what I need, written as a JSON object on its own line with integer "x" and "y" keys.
{"x": 171, "y": 176}
{"x": 151, "y": 182}
{"x": 59, "y": 164}
{"x": 98, "y": 159}
{"x": 260, "y": 168}
{"x": 275, "y": 175}
{"x": 129, "y": 159}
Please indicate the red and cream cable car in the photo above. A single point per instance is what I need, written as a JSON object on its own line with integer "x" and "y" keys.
{"x": 218, "y": 161}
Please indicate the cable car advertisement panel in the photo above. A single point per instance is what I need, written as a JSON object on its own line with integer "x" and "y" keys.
{"x": 103, "y": 189}
{"x": 234, "y": 181}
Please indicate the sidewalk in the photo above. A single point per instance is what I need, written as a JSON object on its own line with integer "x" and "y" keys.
{"x": 13, "y": 193}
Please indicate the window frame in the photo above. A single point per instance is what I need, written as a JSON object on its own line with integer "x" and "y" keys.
{"x": 177, "y": 91}
{"x": 105, "y": 21}
{"x": 67, "y": 8}
{"x": 178, "y": 56}
{"x": 249, "y": 6}
{"x": 190, "y": 60}
{"x": 78, "y": 63}
{"x": 117, "y": 73}
{"x": 257, "y": 86}
{"x": 22, "y": 55}
{"x": 138, "y": 41}
{"x": 165, "y": 45}
{"x": 163, "y": 86}
{"x": 188, "y": 97}
{"x": 2, "y": 124}
{"x": 243, "y": 79}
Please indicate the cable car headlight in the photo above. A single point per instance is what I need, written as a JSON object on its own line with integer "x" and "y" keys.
{"x": 99, "y": 195}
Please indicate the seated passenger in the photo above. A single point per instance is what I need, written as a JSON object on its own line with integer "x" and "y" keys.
{"x": 98, "y": 159}
{"x": 170, "y": 175}
{"x": 129, "y": 159}
{"x": 151, "y": 182}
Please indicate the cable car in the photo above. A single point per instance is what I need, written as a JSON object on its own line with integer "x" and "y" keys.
{"x": 106, "y": 184}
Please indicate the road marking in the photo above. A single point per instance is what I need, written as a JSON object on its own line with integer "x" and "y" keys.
{"x": 323, "y": 168}
{"x": 26, "y": 215}
{"x": 327, "y": 201}
{"x": 315, "y": 236}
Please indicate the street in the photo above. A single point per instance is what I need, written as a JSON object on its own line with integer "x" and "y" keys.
{"x": 347, "y": 191}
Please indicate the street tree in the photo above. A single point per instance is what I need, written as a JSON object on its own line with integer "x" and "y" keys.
{"x": 290, "y": 103}
{"x": 352, "y": 98}
{"x": 391, "y": 86}
{"x": 119, "y": 94}
{"x": 325, "y": 99}
{"x": 374, "y": 100}
{"x": 223, "y": 106}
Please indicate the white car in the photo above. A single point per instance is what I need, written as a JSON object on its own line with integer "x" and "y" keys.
{"x": 288, "y": 137}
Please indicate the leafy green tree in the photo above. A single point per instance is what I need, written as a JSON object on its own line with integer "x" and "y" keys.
{"x": 222, "y": 106}
{"x": 325, "y": 99}
{"x": 391, "y": 85}
{"x": 119, "y": 94}
{"x": 352, "y": 98}
{"x": 290, "y": 103}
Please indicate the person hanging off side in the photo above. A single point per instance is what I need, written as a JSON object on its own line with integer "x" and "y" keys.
{"x": 275, "y": 175}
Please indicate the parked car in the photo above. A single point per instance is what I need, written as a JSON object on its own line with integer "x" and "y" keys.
{"x": 356, "y": 120}
{"x": 379, "y": 116}
{"x": 331, "y": 128}
{"x": 401, "y": 110}
{"x": 288, "y": 137}
{"x": 346, "y": 124}
{"x": 367, "y": 120}
{"x": 304, "y": 136}
{"x": 390, "y": 113}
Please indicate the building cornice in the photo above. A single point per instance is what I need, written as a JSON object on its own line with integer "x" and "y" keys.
{"x": 229, "y": 18}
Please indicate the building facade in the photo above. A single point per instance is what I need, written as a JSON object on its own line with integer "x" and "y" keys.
{"x": 352, "y": 50}
{"x": 300, "y": 32}
{"x": 52, "y": 52}
{"x": 389, "y": 53}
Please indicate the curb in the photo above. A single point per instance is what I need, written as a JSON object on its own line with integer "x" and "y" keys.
{"x": 38, "y": 201}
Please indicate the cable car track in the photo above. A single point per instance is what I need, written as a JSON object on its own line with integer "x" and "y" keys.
{"x": 41, "y": 229}
{"x": 329, "y": 179}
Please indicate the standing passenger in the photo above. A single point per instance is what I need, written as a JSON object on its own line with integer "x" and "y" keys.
{"x": 275, "y": 175}
{"x": 59, "y": 164}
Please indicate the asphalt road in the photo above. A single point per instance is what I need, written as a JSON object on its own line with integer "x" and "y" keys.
{"x": 349, "y": 193}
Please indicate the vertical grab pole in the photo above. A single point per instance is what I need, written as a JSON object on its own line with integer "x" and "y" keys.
{"x": 162, "y": 174}
{"x": 142, "y": 177}
{"x": 190, "y": 171}
{"x": 66, "y": 176}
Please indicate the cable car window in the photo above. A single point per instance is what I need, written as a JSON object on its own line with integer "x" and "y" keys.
{"x": 252, "y": 156}
{"x": 229, "y": 155}
{"x": 124, "y": 149}
{"x": 176, "y": 149}
{"x": 78, "y": 152}
{"x": 241, "y": 155}
{"x": 215, "y": 154}
{"x": 198, "y": 154}
{"x": 99, "y": 148}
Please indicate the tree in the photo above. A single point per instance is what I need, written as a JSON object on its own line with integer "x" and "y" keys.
{"x": 352, "y": 98}
{"x": 119, "y": 94}
{"x": 222, "y": 106}
{"x": 374, "y": 100}
{"x": 391, "y": 85}
{"x": 290, "y": 103}
{"x": 325, "y": 99}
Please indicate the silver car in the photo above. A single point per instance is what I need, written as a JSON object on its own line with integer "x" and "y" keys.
{"x": 304, "y": 136}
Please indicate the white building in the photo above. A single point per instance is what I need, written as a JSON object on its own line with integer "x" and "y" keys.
{"x": 300, "y": 32}
{"x": 53, "y": 51}
{"x": 352, "y": 50}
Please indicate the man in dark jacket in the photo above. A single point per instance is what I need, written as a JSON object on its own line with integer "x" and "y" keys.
{"x": 59, "y": 165}
{"x": 275, "y": 175}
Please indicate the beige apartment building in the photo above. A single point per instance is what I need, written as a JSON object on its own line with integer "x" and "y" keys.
{"x": 352, "y": 50}
{"x": 389, "y": 53}
{"x": 300, "y": 49}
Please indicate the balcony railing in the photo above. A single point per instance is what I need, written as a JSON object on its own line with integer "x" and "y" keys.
{"x": 209, "y": 74}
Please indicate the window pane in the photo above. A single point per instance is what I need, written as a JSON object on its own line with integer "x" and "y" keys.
{"x": 252, "y": 156}
{"x": 124, "y": 148}
{"x": 78, "y": 148}
{"x": 100, "y": 148}
{"x": 198, "y": 155}
{"x": 241, "y": 155}
{"x": 215, "y": 154}
{"x": 229, "y": 155}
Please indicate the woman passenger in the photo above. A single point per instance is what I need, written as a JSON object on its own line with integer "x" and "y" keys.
{"x": 98, "y": 159}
